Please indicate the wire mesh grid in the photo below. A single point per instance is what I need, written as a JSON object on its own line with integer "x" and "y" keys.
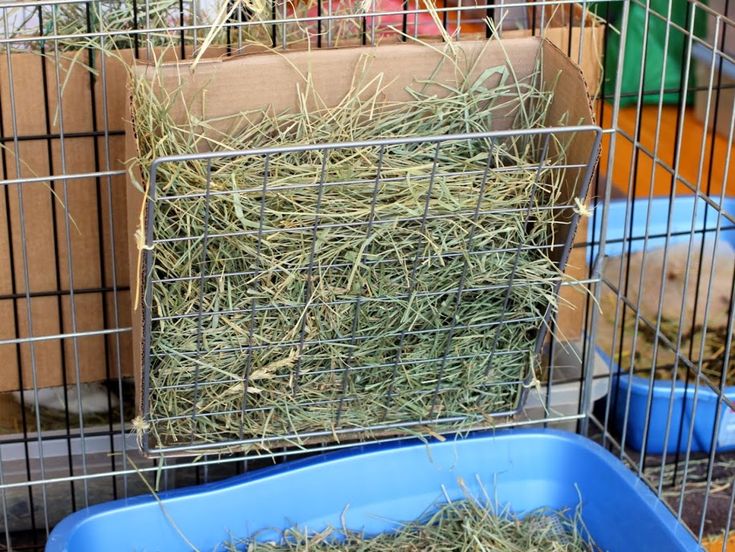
{"x": 65, "y": 294}
{"x": 665, "y": 322}
{"x": 341, "y": 338}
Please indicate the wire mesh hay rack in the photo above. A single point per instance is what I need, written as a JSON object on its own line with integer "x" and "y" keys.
{"x": 348, "y": 290}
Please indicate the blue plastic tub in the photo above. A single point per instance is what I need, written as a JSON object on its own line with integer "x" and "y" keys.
{"x": 683, "y": 404}
{"x": 378, "y": 486}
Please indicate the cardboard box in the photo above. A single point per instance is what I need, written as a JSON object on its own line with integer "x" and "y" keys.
{"x": 50, "y": 303}
{"x": 51, "y": 255}
{"x": 271, "y": 81}
{"x": 577, "y": 32}
{"x": 52, "y": 258}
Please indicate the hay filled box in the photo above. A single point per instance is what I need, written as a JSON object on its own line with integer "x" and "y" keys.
{"x": 347, "y": 244}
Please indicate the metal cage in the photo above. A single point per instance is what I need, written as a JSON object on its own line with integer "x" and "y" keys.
{"x": 353, "y": 337}
{"x": 662, "y": 77}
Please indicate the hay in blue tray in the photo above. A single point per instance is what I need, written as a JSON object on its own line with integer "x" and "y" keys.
{"x": 453, "y": 527}
{"x": 375, "y": 289}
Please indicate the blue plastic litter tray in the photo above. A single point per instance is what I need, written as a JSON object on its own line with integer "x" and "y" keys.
{"x": 683, "y": 403}
{"x": 379, "y": 485}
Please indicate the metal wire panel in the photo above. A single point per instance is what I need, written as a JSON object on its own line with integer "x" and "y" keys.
{"x": 64, "y": 291}
{"x": 350, "y": 356}
{"x": 666, "y": 291}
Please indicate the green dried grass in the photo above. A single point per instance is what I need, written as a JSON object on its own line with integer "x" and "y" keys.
{"x": 712, "y": 350}
{"x": 292, "y": 390}
{"x": 123, "y": 20}
{"x": 456, "y": 526}
{"x": 72, "y": 21}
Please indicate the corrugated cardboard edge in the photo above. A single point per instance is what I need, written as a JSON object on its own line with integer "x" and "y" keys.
{"x": 580, "y": 225}
{"x": 135, "y": 199}
{"x": 566, "y": 62}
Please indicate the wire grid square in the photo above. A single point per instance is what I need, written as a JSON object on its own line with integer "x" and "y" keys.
{"x": 341, "y": 308}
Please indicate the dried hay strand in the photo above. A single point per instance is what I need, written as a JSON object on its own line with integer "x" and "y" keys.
{"x": 76, "y": 24}
{"x": 455, "y": 526}
{"x": 710, "y": 348}
{"x": 640, "y": 345}
{"x": 121, "y": 24}
{"x": 321, "y": 293}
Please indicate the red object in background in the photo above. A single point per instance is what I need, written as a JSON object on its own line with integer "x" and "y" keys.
{"x": 421, "y": 24}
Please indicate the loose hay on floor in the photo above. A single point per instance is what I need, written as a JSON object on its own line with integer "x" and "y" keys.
{"x": 637, "y": 342}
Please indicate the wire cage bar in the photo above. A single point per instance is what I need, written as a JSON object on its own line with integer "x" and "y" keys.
{"x": 660, "y": 197}
{"x": 431, "y": 276}
{"x": 665, "y": 293}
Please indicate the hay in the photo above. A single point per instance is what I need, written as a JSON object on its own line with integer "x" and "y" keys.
{"x": 74, "y": 22}
{"x": 355, "y": 339}
{"x": 125, "y": 24}
{"x": 234, "y": 24}
{"x": 456, "y": 526}
{"x": 712, "y": 350}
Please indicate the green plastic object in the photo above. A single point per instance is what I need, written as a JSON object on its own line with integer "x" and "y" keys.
{"x": 654, "y": 64}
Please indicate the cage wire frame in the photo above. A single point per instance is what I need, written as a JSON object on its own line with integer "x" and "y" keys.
{"x": 489, "y": 142}
{"x": 45, "y": 474}
{"x": 673, "y": 475}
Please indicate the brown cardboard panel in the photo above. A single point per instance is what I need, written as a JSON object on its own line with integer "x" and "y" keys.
{"x": 31, "y": 214}
{"x": 77, "y": 224}
{"x": 84, "y": 359}
{"x": 271, "y": 81}
{"x": 119, "y": 345}
{"x": 73, "y": 202}
{"x": 573, "y": 299}
{"x": 38, "y": 113}
{"x": 41, "y": 357}
{"x": 592, "y": 46}
{"x": 6, "y": 287}
{"x": 69, "y": 89}
{"x": 274, "y": 77}
{"x": 570, "y": 83}
{"x": 570, "y": 319}
{"x": 8, "y": 353}
{"x": 37, "y": 107}
{"x": 44, "y": 250}
{"x": 111, "y": 99}
{"x": 44, "y": 257}
{"x": 114, "y": 224}
{"x": 23, "y": 94}
{"x": 85, "y": 356}
{"x": 85, "y": 202}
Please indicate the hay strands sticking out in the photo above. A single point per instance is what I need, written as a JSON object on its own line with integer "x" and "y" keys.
{"x": 712, "y": 350}
{"x": 284, "y": 350}
{"x": 467, "y": 524}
